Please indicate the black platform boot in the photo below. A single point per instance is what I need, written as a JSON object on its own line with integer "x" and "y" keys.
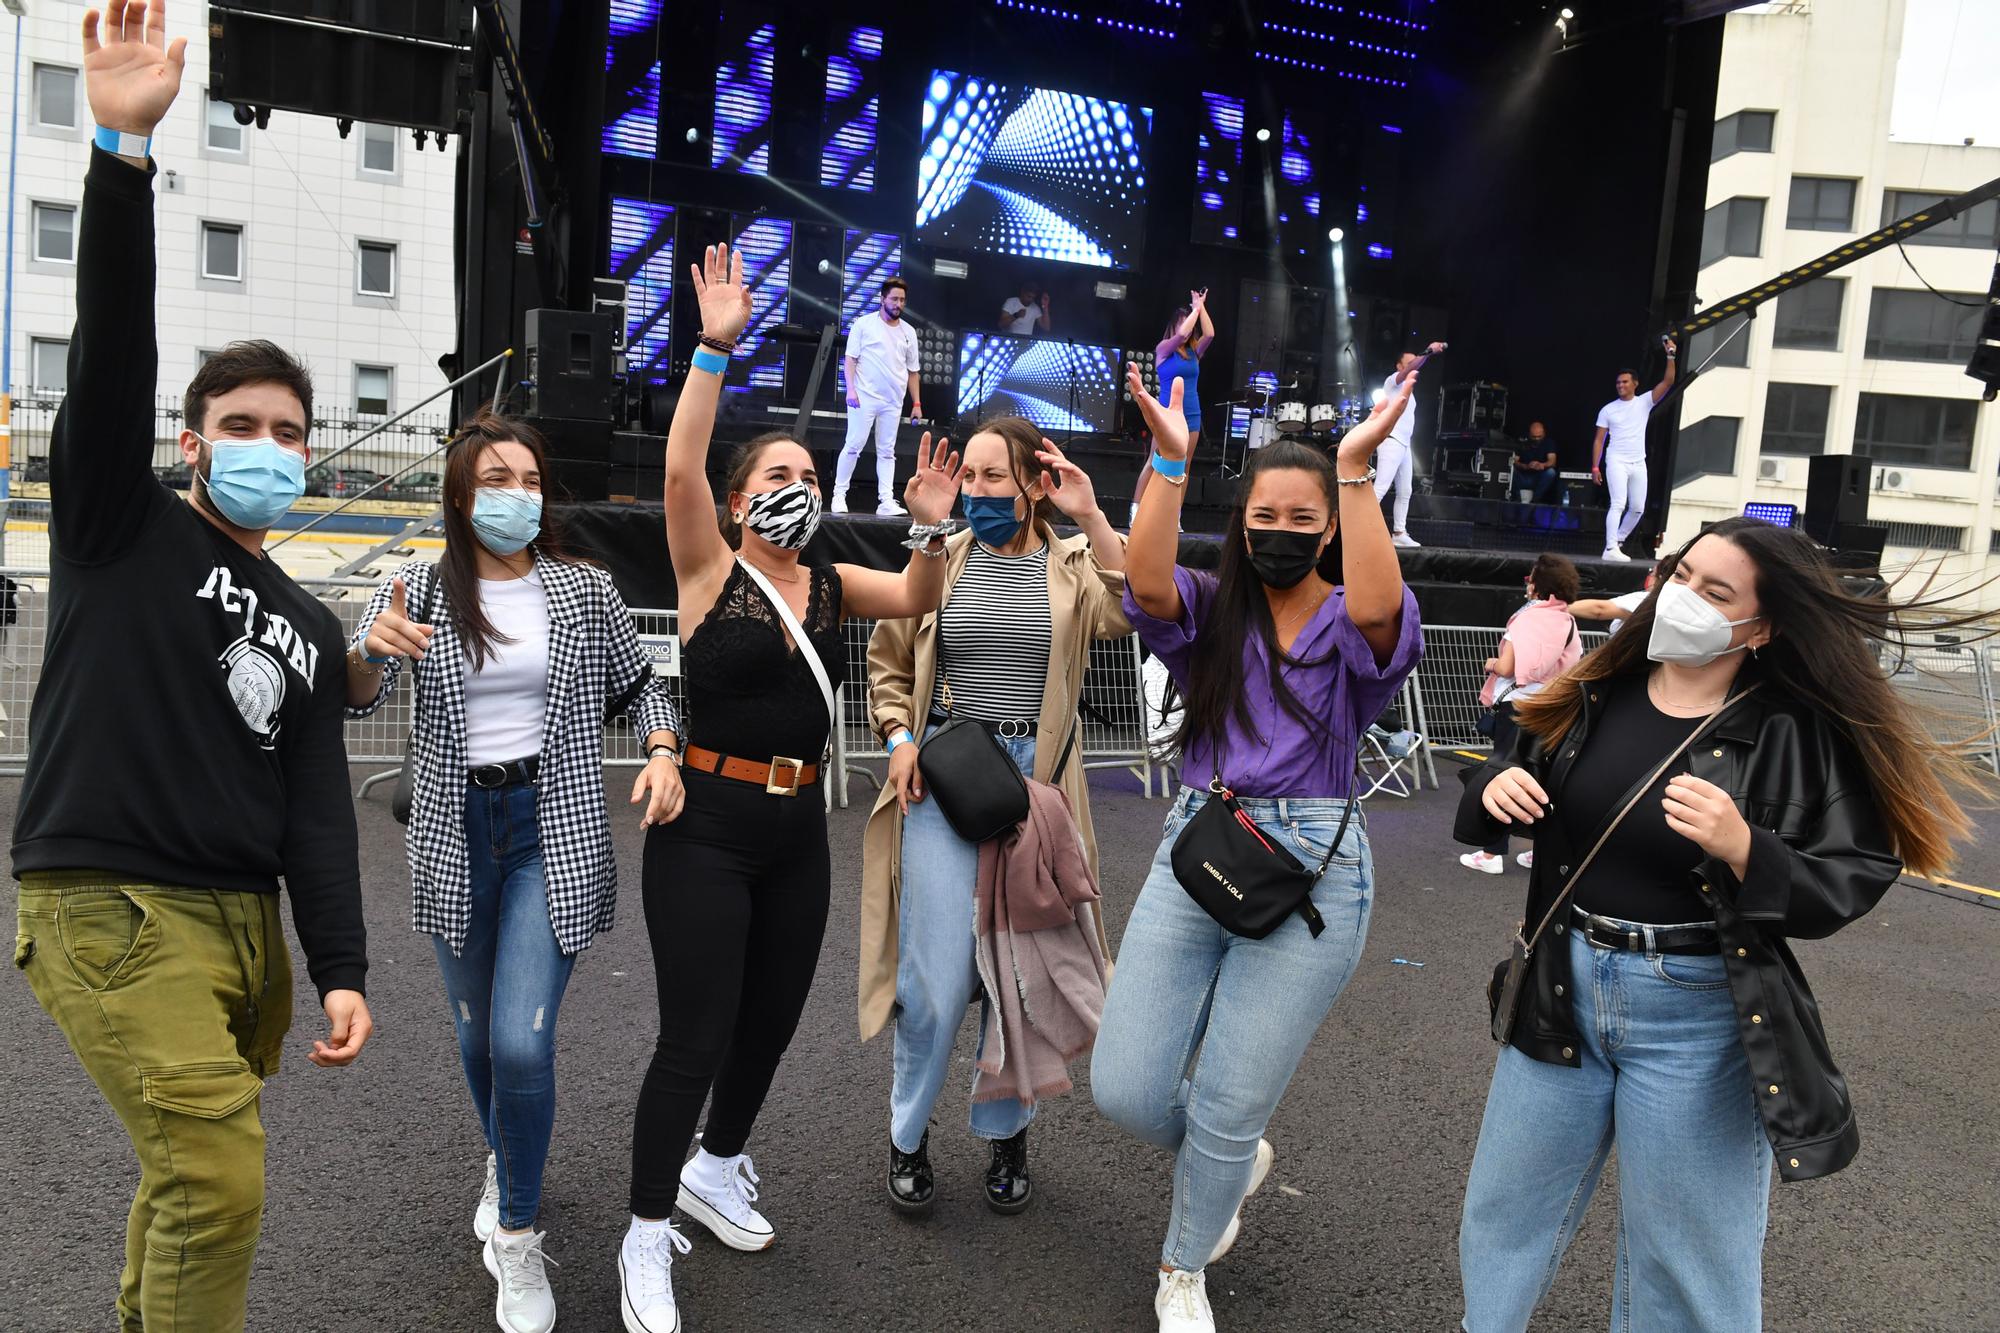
{"x": 1008, "y": 1189}
{"x": 910, "y": 1185}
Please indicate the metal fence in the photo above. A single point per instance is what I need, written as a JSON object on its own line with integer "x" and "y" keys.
{"x": 1950, "y": 684}
{"x": 1449, "y": 679}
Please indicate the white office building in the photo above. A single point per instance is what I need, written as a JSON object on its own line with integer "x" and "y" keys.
{"x": 337, "y": 249}
{"x": 1831, "y": 118}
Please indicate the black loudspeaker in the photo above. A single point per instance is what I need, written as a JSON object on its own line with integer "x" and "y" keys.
{"x": 1858, "y": 546}
{"x": 1836, "y": 493}
{"x": 569, "y": 364}
{"x": 388, "y": 62}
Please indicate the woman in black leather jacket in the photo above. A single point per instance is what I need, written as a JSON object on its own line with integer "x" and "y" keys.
{"x": 1661, "y": 1010}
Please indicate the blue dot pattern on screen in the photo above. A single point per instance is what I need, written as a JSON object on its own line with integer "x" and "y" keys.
{"x": 1058, "y": 386}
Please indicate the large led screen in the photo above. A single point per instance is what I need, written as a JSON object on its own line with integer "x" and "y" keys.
{"x": 1032, "y": 172}
{"x": 1059, "y": 386}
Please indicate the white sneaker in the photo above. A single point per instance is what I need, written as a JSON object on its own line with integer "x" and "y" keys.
{"x": 1403, "y": 539}
{"x": 724, "y": 1206}
{"x": 646, "y": 1277}
{"x": 1259, "y": 1169}
{"x": 1484, "y": 862}
{"x": 1526, "y": 860}
{"x": 1182, "y": 1303}
{"x": 487, "y": 1216}
{"x": 1613, "y": 553}
{"x": 525, "y": 1303}
{"x": 839, "y": 505}
{"x": 890, "y": 509}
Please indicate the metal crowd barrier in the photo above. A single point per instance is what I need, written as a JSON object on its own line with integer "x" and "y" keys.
{"x": 1950, "y": 684}
{"x": 1449, "y": 679}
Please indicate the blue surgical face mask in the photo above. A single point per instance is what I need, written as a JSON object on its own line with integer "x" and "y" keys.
{"x": 992, "y": 518}
{"x": 506, "y": 518}
{"x": 253, "y": 482}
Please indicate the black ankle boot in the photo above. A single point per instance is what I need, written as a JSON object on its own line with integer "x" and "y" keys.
{"x": 1008, "y": 1189}
{"x": 910, "y": 1184}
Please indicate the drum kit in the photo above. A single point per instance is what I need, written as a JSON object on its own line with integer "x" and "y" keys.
{"x": 1273, "y": 418}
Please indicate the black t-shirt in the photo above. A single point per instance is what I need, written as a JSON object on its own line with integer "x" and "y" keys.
{"x": 1641, "y": 875}
{"x": 187, "y": 728}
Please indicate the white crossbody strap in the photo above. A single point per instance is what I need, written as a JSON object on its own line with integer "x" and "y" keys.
{"x": 799, "y": 639}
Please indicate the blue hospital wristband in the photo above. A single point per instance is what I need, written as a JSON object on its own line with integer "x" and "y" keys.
{"x": 715, "y": 363}
{"x": 118, "y": 141}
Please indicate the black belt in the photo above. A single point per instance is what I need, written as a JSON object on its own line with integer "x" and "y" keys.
{"x": 513, "y": 773}
{"x": 1013, "y": 729}
{"x": 1605, "y": 933}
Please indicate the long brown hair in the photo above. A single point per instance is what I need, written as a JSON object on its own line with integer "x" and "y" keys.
{"x": 459, "y": 569}
{"x": 1825, "y": 651}
{"x": 1024, "y": 440}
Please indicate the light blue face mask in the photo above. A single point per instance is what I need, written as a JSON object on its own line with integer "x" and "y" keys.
{"x": 506, "y": 518}
{"x": 253, "y": 482}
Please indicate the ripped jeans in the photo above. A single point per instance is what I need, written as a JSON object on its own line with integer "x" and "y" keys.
{"x": 505, "y": 987}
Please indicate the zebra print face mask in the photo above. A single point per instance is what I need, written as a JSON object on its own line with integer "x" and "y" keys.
{"x": 787, "y": 517}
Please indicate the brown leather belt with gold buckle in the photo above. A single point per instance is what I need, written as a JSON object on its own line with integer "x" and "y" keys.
{"x": 780, "y": 777}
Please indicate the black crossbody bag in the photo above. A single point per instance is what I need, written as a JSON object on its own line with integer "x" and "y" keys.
{"x": 1242, "y": 878}
{"x": 977, "y": 787}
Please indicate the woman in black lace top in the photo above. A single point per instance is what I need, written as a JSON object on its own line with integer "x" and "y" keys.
{"x": 736, "y": 888}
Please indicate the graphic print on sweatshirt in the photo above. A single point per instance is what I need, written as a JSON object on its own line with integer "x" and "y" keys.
{"x": 255, "y": 663}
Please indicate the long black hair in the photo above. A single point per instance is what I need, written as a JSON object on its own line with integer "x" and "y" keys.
{"x": 1238, "y": 611}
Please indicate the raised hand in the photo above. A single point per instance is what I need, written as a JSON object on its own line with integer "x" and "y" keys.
{"x": 1166, "y": 420}
{"x": 1359, "y": 443}
{"x": 394, "y": 634}
{"x": 1069, "y": 489}
{"x": 130, "y": 71}
{"x": 1198, "y": 299}
{"x": 719, "y": 289}
{"x": 933, "y": 488}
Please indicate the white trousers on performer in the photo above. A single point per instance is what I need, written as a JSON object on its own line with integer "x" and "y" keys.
{"x": 1392, "y": 468}
{"x": 1626, "y": 480}
{"x": 882, "y": 420}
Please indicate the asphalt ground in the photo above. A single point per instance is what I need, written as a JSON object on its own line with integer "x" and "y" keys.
{"x": 374, "y": 1170}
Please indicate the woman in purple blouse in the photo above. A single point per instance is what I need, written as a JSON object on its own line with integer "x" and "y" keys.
{"x": 1282, "y": 669}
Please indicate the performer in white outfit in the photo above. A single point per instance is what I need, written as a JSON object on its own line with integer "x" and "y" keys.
{"x": 1392, "y": 456}
{"x": 1618, "y": 454}
{"x": 881, "y": 363}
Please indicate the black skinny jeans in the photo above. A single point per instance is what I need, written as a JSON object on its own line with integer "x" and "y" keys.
{"x": 1504, "y": 731}
{"x": 736, "y": 894}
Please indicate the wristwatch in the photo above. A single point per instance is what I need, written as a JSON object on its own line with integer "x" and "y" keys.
{"x": 655, "y": 751}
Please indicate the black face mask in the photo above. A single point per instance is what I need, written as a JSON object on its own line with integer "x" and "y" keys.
{"x": 1282, "y": 557}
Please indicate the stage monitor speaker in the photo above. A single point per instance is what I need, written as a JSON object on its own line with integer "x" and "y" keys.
{"x": 1836, "y": 493}
{"x": 386, "y": 62}
{"x": 569, "y": 364}
{"x": 1858, "y": 545}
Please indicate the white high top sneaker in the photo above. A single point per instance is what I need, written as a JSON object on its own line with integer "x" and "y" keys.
{"x": 646, "y": 1277}
{"x": 1182, "y": 1303}
{"x": 487, "y": 1216}
{"x": 717, "y": 1192}
{"x": 525, "y": 1303}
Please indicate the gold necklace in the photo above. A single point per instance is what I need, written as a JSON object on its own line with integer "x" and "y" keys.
{"x": 1658, "y": 684}
{"x": 773, "y": 577}
{"x": 1317, "y": 602}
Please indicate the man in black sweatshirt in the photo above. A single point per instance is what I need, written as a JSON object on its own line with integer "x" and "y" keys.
{"x": 185, "y": 751}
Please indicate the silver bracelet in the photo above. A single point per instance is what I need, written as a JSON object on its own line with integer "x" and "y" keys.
{"x": 1358, "y": 481}
{"x": 923, "y": 534}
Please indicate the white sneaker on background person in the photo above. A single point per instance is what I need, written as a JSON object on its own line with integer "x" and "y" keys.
{"x": 1260, "y": 1168}
{"x": 1526, "y": 860}
{"x": 717, "y": 1192}
{"x": 1486, "y": 863}
{"x": 890, "y": 509}
{"x": 1403, "y": 539}
{"x": 646, "y": 1276}
{"x": 1613, "y": 553}
{"x": 487, "y": 1216}
{"x": 516, "y": 1261}
{"x": 839, "y": 505}
{"x": 1182, "y": 1303}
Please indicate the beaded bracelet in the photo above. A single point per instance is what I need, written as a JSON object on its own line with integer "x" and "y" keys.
{"x": 718, "y": 344}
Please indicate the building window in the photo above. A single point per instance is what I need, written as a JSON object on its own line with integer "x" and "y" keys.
{"x": 376, "y": 271}
{"x": 373, "y": 386}
{"x": 55, "y": 97}
{"x": 1932, "y": 537}
{"x": 1820, "y": 203}
{"x": 1706, "y": 449}
{"x": 1977, "y": 228}
{"x": 1917, "y": 326}
{"x": 48, "y": 365}
{"x": 1732, "y": 227}
{"x": 1907, "y": 431}
{"x": 1744, "y": 132}
{"x": 1734, "y": 345}
{"x": 55, "y": 233}
{"x": 222, "y": 251}
{"x": 378, "y": 149}
{"x": 222, "y": 133}
{"x": 1808, "y": 317}
{"x": 1795, "y": 417}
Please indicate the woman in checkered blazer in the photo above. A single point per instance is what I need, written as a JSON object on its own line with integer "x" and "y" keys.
{"x": 517, "y": 650}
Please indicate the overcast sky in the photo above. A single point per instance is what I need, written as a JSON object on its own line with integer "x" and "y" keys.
{"x": 1948, "y": 78}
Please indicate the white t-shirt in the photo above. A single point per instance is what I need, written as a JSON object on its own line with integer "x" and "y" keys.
{"x": 1627, "y": 602}
{"x": 1025, "y": 316}
{"x": 1406, "y": 423}
{"x": 1625, "y": 419}
{"x": 887, "y": 354}
{"x": 506, "y": 699}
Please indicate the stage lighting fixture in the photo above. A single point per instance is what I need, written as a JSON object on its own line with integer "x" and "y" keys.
{"x": 693, "y": 135}
{"x": 1263, "y": 136}
{"x": 1336, "y": 235}
{"x": 826, "y": 266}
{"x": 1568, "y": 14}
